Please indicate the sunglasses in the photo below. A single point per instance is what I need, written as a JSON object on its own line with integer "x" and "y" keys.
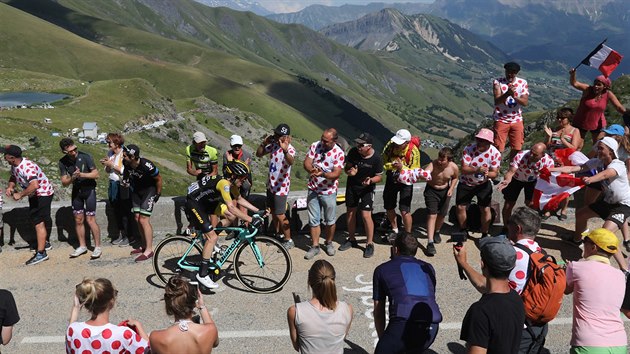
{"x": 69, "y": 151}
{"x": 363, "y": 145}
{"x": 237, "y": 146}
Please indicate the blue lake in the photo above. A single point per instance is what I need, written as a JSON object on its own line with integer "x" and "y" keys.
{"x": 11, "y": 99}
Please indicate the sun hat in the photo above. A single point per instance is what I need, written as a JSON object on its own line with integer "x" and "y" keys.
{"x": 615, "y": 129}
{"x": 485, "y": 134}
{"x": 604, "y": 239}
{"x": 611, "y": 143}
{"x": 402, "y": 136}
{"x": 199, "y": 137}
{"x": 236, "y": 140}
{"x": 497, "y": 253}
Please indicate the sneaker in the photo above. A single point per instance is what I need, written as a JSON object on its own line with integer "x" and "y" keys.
{"x": 143, "y": 257}
{"x": 330, "y": 249}
{"x": 431, "y": 251}
{"x": 288, "y": 244}
{"x": 96, "y": 253}
{"x": 207, "y": 281}
{"x": 391, "y": 237}
{"x": 369, "y": 250}
{"x": 437, "y": 238}
{"x": 122, "y": 242}
{"x": 626, "y": 244}
{"x": 312, "y": 252}
{"x": 38, "y": 257}
{"x": 350, "y": 243}
{"x": 78, "y": 252}
{"x": 48, "y": 246}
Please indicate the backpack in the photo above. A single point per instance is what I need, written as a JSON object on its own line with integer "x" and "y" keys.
{"x": 544, "y": 288}
{"x": 415, "y": 141}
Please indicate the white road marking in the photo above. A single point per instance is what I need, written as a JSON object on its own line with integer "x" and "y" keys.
{"x": 275, "y": 332}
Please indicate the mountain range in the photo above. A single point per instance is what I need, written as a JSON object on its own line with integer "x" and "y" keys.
{"x": 533, "y": 30}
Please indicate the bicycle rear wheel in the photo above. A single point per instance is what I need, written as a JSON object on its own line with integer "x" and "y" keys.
{"x": 276, "y": 265}
{"x": 169, "y": 254}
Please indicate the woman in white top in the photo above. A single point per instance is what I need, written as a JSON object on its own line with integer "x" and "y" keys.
{"x": 118, "y": 194}
{"x": 97, "y": 335}
{"x": 321, "y": 324}
{"x": 184, "y": 336}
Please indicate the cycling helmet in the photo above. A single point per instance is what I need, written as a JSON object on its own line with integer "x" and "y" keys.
{"x": 236, "y": 169}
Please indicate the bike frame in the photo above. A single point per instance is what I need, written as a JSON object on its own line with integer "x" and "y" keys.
{"x": 243, "y": 235}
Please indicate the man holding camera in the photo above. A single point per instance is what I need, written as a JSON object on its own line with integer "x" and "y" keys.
{"x": 414, "y": 315}
{"x": 522, "y": 229}
{"x": 281, "y": 158}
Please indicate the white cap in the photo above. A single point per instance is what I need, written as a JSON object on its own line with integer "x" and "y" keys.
{"x": 612, "y": 144}
{"x": 402, "y": 136}
{"x": 236, "y": 140}
{"x": 199, "y": 137}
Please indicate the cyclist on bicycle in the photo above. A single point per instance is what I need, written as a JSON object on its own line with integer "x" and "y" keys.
{"x": 216, "y": 195}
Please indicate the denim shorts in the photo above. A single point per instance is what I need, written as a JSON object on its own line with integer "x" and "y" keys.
{"x": 315, "y": 203}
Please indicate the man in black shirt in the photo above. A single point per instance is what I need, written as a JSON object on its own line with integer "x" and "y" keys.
{"x": 364, "y": 169}
{"x": 8, "y": 316}
{"x": 78, "y": 168}
{"x": 494, "y": 324}
{"x": 146, "y": 184}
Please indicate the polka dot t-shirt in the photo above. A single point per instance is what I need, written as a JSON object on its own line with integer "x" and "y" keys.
{"x": 471, "y": 156}
{"x": 82, "y": 338}
{"x": 510, "y": 111}
{"x": 413, "y": 175}
{"x": 279, "y": 180}
{"x": 518, "y": 276}
{"x": 28, "y": 171}
{"x": 326, "y": 161}
{"x": 527, "y": 171}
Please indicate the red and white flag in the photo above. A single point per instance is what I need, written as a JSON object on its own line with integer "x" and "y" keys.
{"x": 603, "y": 58}
{"x": 554, "y": 187}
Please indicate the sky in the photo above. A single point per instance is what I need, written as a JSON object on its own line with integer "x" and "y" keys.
{"x": 282, "y": 6}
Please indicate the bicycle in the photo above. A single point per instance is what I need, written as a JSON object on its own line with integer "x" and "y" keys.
{"x": 266, "y": 268}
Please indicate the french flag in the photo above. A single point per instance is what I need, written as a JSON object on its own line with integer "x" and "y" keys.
{"x": 603, "y": 58}
{"x": 554, "y": 187}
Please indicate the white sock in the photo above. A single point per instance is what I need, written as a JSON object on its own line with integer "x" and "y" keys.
{"x": 395, "y": 230}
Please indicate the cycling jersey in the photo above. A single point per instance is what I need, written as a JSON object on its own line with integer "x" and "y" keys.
{"x": 212, "y": 189}
{"x": 202, "y": 160}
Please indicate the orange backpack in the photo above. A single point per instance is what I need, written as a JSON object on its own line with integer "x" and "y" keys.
{"x": 544, "y": 288}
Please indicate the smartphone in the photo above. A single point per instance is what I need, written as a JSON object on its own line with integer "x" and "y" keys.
{"x": 459, "y": 237}
{"x": 296, "y": 298}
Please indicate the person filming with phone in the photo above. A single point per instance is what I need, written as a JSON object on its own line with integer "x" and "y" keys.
{"x": 414, "y": 314}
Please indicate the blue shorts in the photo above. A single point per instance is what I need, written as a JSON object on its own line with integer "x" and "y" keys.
{"x": 317, "y": 202}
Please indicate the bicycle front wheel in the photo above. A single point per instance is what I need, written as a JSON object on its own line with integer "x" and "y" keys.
{"x": 263, "y": 266}
{"x": 170, "y": 258}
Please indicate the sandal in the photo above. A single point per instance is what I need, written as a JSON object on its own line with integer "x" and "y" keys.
{"x": 562, "y": 217}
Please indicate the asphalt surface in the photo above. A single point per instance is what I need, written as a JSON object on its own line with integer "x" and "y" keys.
{"x": 247, "y": 322}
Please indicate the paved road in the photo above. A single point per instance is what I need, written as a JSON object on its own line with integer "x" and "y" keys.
{"x": 248, "y": 323}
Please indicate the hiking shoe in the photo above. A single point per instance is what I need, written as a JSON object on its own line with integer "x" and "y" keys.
{"x": 207, "y": 281}
{"x": 123, "y": 242}
{"x": 348, "y": 244}
{"x": 312, "y": 252}
{"x": 96, "y": 253}
{"x": 437, "y": 238}
{"x": 48, "y": 246}
{"x": 330, "y": 249}
{"x": 431, "y": 251}
{"x": 369, "y": 250}
{"x": 288, "y": 244}
{"x": 78, "y": 252}
{"x": 626, "y": 244}
{"x": 38, "y": 257}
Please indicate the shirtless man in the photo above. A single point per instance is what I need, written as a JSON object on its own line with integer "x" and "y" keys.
{"x": 437, "y": 194}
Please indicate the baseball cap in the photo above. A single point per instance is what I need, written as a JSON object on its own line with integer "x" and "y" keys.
{"x": 364, "y": 138}
{"x": 12, "y": 150}
{"x": 485, "y": 134}
{"x": 199, "y": 137}
{"x": 615, "y": 129}
{"x": 497, "y": 253}
{"x": 611, "y": 143}
{"x": 512, "y": 66}
{"x": 236, "y": 140}
{"x": 604, "y": 239}
{"x": 402, "y": 136}
{"x": 132, "y": 150}
{"x": 282, "y": 130}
